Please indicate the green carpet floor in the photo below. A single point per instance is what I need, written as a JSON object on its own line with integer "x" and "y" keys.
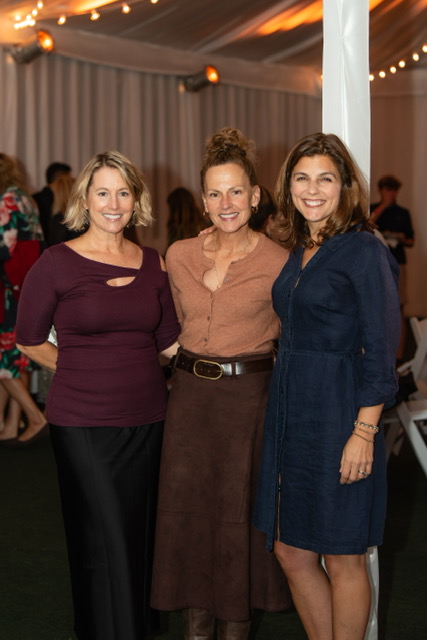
{"x": 35, "y": 601}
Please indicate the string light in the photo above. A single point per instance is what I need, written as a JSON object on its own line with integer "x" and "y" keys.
{"x": 415, "y": 56}
{"x": 94, "y": 14}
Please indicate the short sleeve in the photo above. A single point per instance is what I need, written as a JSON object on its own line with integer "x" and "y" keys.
{"x": 37, "y": 303}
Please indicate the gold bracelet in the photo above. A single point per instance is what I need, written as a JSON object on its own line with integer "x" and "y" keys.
{"x": 363, "y": 438}
{"x": 373, "y": 427}
{"x": 364, "y": 431}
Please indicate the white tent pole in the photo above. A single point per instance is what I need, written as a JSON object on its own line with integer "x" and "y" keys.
{"x": 346, "y": 112}
{"x": 346, "y": 90}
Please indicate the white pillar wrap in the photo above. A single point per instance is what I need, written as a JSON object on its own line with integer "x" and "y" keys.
{"x": 346, "y": 112}
{"x": 346, "y": 87}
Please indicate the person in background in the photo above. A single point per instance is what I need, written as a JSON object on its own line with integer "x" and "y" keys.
{"x": 110, "y": 303}
{"x": 209, "y": 559}
{"x": 58, "y": 231}
{"x": 185, "y": 219}
{"x": 322, "y": 485}
{"x": 20, "y": 246}
{"x": 394, "y": 222}
{"x": 45, "y": 197}
{"x": 264, "y": 219}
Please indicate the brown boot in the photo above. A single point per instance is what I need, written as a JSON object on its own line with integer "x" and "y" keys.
{"x": 198, "y": 624}
{"x": 227, "y": 630}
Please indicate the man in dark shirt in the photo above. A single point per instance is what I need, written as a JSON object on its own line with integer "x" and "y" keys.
{"x": 44, "y": 198}
{"x": 394, "y": 222}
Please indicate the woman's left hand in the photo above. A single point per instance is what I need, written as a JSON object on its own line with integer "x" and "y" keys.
{"x": 356, "y": 460}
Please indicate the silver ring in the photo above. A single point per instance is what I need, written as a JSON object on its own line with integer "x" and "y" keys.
{"x": 363, "y": 473}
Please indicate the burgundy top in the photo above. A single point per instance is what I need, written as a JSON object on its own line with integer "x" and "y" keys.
{"x": 108, "y": 371}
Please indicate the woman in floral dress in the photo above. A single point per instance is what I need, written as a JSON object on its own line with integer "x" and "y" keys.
{"x": 20, "y": 243}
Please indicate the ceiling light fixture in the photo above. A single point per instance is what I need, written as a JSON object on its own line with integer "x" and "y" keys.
{"x": 41, "y": 43}
{"x": 203, "y": 79}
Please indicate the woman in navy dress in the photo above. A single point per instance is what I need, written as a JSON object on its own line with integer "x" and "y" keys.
{"x": 322, "y": 487}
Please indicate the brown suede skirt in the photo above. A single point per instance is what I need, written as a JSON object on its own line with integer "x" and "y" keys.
{"x": 207, "y": 554}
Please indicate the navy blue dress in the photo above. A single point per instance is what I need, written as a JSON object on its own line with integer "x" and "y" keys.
{"x": 340, "y": 331}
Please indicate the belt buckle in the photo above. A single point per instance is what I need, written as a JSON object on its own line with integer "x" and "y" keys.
{"x": 200, "y": 375}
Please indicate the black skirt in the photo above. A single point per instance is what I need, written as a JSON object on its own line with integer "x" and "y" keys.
{"x": 108, "y": 479}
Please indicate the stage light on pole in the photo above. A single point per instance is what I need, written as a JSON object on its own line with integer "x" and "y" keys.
{"x": 41, "y": 43}
{"x": 203, "y": 79}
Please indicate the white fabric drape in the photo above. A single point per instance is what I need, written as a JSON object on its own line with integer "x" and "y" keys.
{"x": 346, "y": 99}
{"x": 62, "y": 109}
{"x": 346, "y": 112}
{"x": 58, "y": 108}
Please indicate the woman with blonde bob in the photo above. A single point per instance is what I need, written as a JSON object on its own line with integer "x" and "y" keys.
{"x": 322, "y": 485}
{"x": 110, "y": 303}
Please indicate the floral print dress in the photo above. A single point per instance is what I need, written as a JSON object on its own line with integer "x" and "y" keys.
{"x": 19, "y": 220}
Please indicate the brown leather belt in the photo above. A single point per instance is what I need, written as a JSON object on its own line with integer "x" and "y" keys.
{"x": 203, "y": 368}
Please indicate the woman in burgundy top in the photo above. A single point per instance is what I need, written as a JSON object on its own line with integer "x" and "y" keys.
{"x": 110, "y": 303}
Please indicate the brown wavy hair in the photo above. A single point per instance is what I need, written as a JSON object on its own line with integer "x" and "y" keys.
{"x": 9, "y": 174}
{"x": 353, "y": 206}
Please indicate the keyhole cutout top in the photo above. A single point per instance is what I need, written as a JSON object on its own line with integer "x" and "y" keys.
{"x": 120, "y": 282}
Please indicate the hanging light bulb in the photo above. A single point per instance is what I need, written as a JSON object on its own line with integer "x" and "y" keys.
{"x": 94, "y": 15}
{"x": 62, "y": 20}
{"x": 126, "y": 8}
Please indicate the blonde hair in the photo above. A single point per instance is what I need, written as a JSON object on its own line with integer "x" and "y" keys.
{"x": 353, "y": 206}
{"x": 76, "y": 217}
{"x": 61, "y": 188}
{"x": 229, "y": 145}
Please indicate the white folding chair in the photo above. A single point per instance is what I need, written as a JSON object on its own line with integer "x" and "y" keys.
{"x": 412, "y": 413}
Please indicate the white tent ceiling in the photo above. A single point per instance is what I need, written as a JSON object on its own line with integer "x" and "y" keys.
{"x": 279, "y": 35}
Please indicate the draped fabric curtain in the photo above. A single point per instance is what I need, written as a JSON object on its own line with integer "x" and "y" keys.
{"x": 58, "y": 108}
{"x": 399, "y": 135}
{"x": 62, "y": 109}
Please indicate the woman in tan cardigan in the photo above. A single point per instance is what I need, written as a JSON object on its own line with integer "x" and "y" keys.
{"x": 209, "y": 560}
